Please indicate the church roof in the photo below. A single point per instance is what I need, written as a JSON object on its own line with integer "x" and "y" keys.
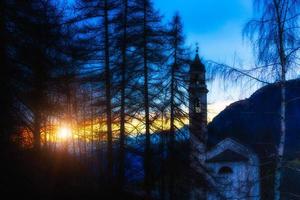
{"x": 228, "y": 156}
{"x": 197, "y": 65}
{"x": 229, "y": 150}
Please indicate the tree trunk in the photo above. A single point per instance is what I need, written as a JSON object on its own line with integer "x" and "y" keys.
{"x": 123, "y": 88}
{"x": 172, "y": 127}
{"x": 108, "y": 93}
{"x": 92, "y": 124}
{"x": 281, "y": 145}
{"x": 147, "y": 158}
{"x": 37, "y": 131}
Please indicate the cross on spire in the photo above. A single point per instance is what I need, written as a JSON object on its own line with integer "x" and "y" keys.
{"x": 197, "y": 48}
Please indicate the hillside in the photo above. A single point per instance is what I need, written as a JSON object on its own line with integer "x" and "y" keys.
{"x": 255, "y": 122}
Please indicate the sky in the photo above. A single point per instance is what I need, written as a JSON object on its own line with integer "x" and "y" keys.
{"x": 216, "y": 25}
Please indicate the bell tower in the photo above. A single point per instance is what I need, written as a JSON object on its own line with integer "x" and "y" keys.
{"x": 198, "y": 105}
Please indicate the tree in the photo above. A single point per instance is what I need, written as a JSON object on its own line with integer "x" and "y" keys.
{"x": 149, "y": 45}
{"x": 42, "y": 50}
{"x": 275, "y": 38}
{"x": 177, "y": 72}
{"x": 126, "y": 73}
{"x": 39, "y": 36}
{"x": 106, "y": 24}
{"x": 91, "y": 10}
{"x": 6, "y": 67}
{"x": 123, "y": 91}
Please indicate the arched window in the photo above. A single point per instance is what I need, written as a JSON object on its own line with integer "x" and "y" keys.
{"x": 197, "y": 106}
{"x": 225, "y": 170}
{"x": 197, "y": 79}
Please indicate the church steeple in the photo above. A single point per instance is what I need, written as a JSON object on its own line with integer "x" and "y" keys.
{"x": 198, "y": 100}
{"x": 197, "y": 65}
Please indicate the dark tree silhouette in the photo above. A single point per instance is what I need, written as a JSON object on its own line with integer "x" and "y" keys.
{"x": 178, "y": 62}
{"x": 150, "y": 44}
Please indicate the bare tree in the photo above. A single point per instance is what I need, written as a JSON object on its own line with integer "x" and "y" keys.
{"x": 102, "y": 10}
{"x": 275, "y": 38}
{"x": 149, "y": 48}
{"x": 177, "y": 71}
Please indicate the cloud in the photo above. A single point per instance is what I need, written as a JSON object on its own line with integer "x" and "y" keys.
{"x": 216, "y": 108}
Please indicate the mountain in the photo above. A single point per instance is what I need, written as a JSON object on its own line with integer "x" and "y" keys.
{"x": 256, "y": 121}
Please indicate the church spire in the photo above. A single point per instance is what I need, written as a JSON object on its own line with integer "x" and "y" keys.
{"x": 197, "y": 117}
{"x": 196, "y": 64}
{"x": 198, "y": 100}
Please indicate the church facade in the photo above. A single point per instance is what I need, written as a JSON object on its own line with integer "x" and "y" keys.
{"x": 230, "y": 169}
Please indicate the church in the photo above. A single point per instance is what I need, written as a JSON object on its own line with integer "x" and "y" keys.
{"x": 231, "y": 169}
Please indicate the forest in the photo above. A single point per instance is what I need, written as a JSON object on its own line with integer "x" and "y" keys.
{"x": 92, "y": 95}
{"x": 105, "y": 99}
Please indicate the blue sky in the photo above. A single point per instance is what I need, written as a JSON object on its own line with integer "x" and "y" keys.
{"x": 217, "y": 26}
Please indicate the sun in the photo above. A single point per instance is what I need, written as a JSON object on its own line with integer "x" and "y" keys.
{"x": 64, "y": 133}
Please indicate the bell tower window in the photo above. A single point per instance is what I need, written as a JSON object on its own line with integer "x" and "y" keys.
{"x": 197, "y": 79}
{"x": 197, "y": 106}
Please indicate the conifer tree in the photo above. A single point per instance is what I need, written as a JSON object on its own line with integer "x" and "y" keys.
{"x": 149, "y": 44}
{"x": 178, "y": 61}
